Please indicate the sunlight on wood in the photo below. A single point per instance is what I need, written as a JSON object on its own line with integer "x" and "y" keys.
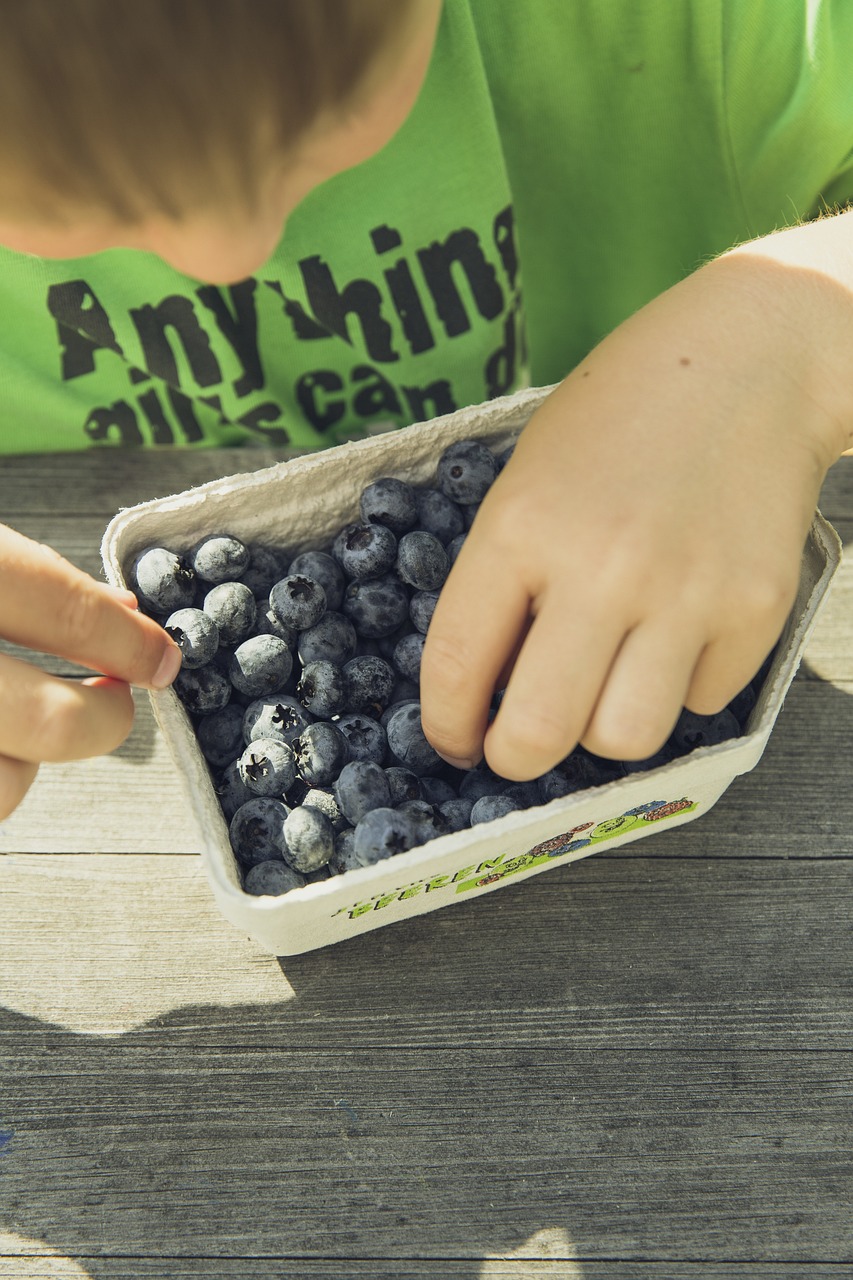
{"x": 550, "y": 1253}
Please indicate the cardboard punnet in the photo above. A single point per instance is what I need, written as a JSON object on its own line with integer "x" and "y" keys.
{"x": 301, "y": 504}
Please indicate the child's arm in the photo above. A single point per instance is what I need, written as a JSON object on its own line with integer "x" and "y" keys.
{"x": 651, "y": 521}
{"x": 51, "y": 606}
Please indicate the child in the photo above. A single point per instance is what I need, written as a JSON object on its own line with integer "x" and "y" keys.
{"x": 292, "y": 219}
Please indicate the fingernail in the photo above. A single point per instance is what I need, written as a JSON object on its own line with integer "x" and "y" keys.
{"x": 126, "y": 597}
{"x": 168, "y": 668}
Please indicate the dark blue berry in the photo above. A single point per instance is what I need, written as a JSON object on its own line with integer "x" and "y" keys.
{"x": 203, "y": 690}
{"x": 369, "y": 685}
{"x": 362, "y": 785}
{"x": 407, "y": 655}
{"x": 343, "y": 859}
{"x": 264, "y": 571}
{"x": 439, "y": 515}
{"x": 390, "y": 502}
{"x": 220, "y": 735}
{"x": 481, "y": 782}
{"x": 322, "y": 568}
{"x": 366, "y": 738}
{"x": 232, "y": 790}
{"x": 457, "y": 813}
{"x": 378, "y": 607}
{"x": 257, "y": 830}
{"x": 195, "y": 634}
{"x": 267, "y": 767}
{"x": 488, "y": 808}
{"x": 365, "y": 551}
{"x": 383, "y": 833}
{"x": 454, "y": 547}
{"x": 437, "y": 790}
{"x": 421, "y": 608}
{"x": 403, "y": 785}
{"x": 407, "y": 741}
{"x": 272, "y": 879}
{"x": 332, "y": 639}
{"x": 466, "y": 469}
{"x": 422, "y": 561}
{"x": 692, "y": 730}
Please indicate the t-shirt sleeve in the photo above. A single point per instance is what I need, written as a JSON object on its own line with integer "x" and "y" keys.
{"x": 788, "y": 90}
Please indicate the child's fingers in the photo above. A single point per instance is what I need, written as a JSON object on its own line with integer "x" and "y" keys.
{"x": 552, "y": 691}
{"x": 726, "y": 666}
{"x": 16, "y": 778}
{"x": 473, "y": 633}
{"x": 47, "y": 718}
{"x": 50, "y": 605}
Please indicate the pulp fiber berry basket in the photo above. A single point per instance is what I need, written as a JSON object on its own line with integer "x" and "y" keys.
{"x": 300, "y": 505}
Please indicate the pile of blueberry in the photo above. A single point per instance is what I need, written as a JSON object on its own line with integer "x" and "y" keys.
{"x": 301, "y": 678}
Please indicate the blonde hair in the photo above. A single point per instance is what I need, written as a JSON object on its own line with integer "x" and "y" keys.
{"x": 140, "y": 106}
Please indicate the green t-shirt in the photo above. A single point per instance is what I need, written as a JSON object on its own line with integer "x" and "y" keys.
{"x": 566, "y": 161}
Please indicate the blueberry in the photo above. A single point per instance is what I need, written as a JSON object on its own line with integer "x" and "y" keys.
{"x": 361, "y": 786}
{"x": 366, "y": 738}
{"x": 344, "y": 859}
{"x": 504, "y": 456}
{"x": 324, "y": 800}
{"x": 438, "y": 515}
{"x": 322, "y": 689}
{"x": 693, "y": 730}
{"x": 219, "y": 558}
{"x": 321, "y": 752}
{"x": 203, "y": 690}
{"x": 232, "y": 790}
{"x": 195, "y": 634}
{"x": 406, "y": 740}
{"x": 310, "y": 839}
{"x": 457, "y": 813}
{"x": 260, "y": 665}
{"x": 365, "y": 551}
{"x": 422, "y": 561}
{"x": 272, "y": 878}
{"x": 232, "y": 607}
{"x": 390, "y": 502}
{"x": 437, "y": 790}
{"x": 455, "y": 547}
{"x": 220, "y": 735}
{"x": 267, "y": 624}
{"x": 466, "y": 469}
{"x": 378, "y": 607}
{"x": 322, "y": 568}
{"x": 257, "y": 830}
{"x": 578, "y": 771}
{"x": 481, "y": 782}
{"x": 488, "y": 808}
{"x": 430, "y": 822}
{"x": 369, "y": 685}
{"x": 267, "y": 767}
{"x": 297, "y": 601}
{"x": 332, "y": 639}
{"x": 407, "y": 655}
{"x": 264, "y": 571}
{"x": 525, "y": 794}
{"x": 279, "y": 716}
{"x": 403, "y": 785}
{"x": 405, "y": 690}
{"x": 742, "y": 704}
{"x": 421, "y": 608}
{"x": 383, "y": 833}
{"x": 163, "y": 581}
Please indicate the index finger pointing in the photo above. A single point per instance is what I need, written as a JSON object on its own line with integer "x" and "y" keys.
{"x": 50, "y": 605}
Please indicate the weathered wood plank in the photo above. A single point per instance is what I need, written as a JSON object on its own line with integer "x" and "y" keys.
{"x": 626, "y": 954}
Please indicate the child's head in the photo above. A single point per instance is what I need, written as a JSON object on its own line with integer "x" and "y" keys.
{"x": 191, "y": 128}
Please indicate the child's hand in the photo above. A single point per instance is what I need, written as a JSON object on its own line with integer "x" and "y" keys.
{"x": 47, "y": 604}
{"x": 641, "y": 550}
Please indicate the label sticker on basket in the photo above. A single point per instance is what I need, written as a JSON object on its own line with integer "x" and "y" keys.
{"x": 491, "y": 870}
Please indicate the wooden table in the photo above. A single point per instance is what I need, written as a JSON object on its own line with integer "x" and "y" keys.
{"x": 635, "y": 1067}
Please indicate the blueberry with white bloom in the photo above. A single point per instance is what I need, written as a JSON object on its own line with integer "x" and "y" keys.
{"x": 323, "y": 798}
{"x": 310, "y": 839}
{"x": 298, "y": 601}
{"x": 272, "y": 878}
{"x": 366, "y": 738}
{"x": 365, "y": 551}
{"x": 322, "y": 689}
{"x": 163, "y": 581}
{"x": 260, "y": 665}
{"x": 232, "y": 607}
{"x": 321, "y": 752}
{"x": 195, "y": 634}
{"x": 390, "y": 502}
{"x": 408, "y": 653}
{"x": 278, "y": 716}
{"x": 267, "y": 767}
{"x": 369, "y": 684}
{"x": 466, "y": 470}
{"x": 219, "y": 558}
